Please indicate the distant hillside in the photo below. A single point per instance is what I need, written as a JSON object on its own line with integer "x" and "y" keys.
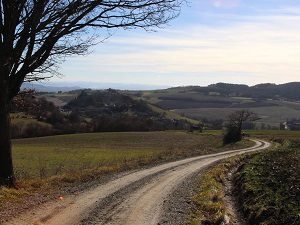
{"x": 48, "y": 88}
{"x": 87, "y": 111}
{"x": 274, "y": 104}
{"x": 114, "y": 108}
{"x": 65, "y": 86}
{"x": 109, "y": 102}
{"x": 289, "y": 91}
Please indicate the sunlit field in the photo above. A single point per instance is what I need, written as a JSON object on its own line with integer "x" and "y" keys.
{"x": 55, "y": 155}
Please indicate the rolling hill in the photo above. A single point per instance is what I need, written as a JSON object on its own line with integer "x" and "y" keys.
{"x": 274, "y": 104}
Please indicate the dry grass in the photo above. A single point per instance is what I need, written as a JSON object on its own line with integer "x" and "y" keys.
{"x": 209, "y": 198}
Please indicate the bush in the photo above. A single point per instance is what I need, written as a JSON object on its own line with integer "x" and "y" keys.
{"x": 232, "y": 135}
{"x": 30, "y": 129}
{"x": 36, "y": 129}
{"x": 16, "y": 130}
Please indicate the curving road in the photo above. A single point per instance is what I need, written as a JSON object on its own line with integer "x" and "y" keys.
{"x": 134, "y": 198}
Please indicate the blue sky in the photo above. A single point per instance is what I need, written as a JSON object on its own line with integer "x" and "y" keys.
{"x": 232, "y": 41}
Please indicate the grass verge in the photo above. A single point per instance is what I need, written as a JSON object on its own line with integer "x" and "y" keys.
{"x": 269, "y": 186}
{"x": 209, "y": 198}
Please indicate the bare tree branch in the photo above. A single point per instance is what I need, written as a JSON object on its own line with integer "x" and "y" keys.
{"x": 37, "y": 35}
{"x": 34, "y": 32}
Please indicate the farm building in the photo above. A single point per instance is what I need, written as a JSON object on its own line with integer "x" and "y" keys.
{"x": 292, "y": 125}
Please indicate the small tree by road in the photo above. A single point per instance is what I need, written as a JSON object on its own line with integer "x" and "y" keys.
{"x": 35, "y": 35}
{"x": 234, "y": 126}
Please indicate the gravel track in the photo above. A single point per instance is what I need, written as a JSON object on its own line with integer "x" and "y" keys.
{"x": 149, "y": 196}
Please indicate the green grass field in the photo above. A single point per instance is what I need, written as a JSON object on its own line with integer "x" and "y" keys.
{"x": 56, "y": 155}
{"x": 274, "y": 134}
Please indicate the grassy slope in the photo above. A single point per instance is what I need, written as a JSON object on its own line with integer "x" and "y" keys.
{"x": 172, "y": 115}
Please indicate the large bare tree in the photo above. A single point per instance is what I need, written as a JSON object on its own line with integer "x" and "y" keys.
{"x": 37, "y": 34}
{"x": 235, "y": 122}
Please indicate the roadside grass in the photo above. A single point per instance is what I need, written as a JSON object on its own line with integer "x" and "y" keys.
{"x": 209, "y": 198}
{"x": 270, "y": 186}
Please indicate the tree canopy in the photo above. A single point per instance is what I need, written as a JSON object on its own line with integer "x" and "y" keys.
{"x": 234, "y": 125}
{"x": 35, "y": 35}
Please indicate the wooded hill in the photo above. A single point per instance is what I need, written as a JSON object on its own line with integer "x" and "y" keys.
{"x": 111, "y": 110}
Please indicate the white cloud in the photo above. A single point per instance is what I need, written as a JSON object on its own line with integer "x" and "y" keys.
{"x": 266, "y": 47}
{"x": 226, "y": 3}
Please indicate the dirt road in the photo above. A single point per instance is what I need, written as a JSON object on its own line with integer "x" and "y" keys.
{"x": 133, "y": 198}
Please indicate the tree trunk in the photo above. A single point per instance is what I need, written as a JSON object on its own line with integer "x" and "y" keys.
{"x": 6, "y": 166}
